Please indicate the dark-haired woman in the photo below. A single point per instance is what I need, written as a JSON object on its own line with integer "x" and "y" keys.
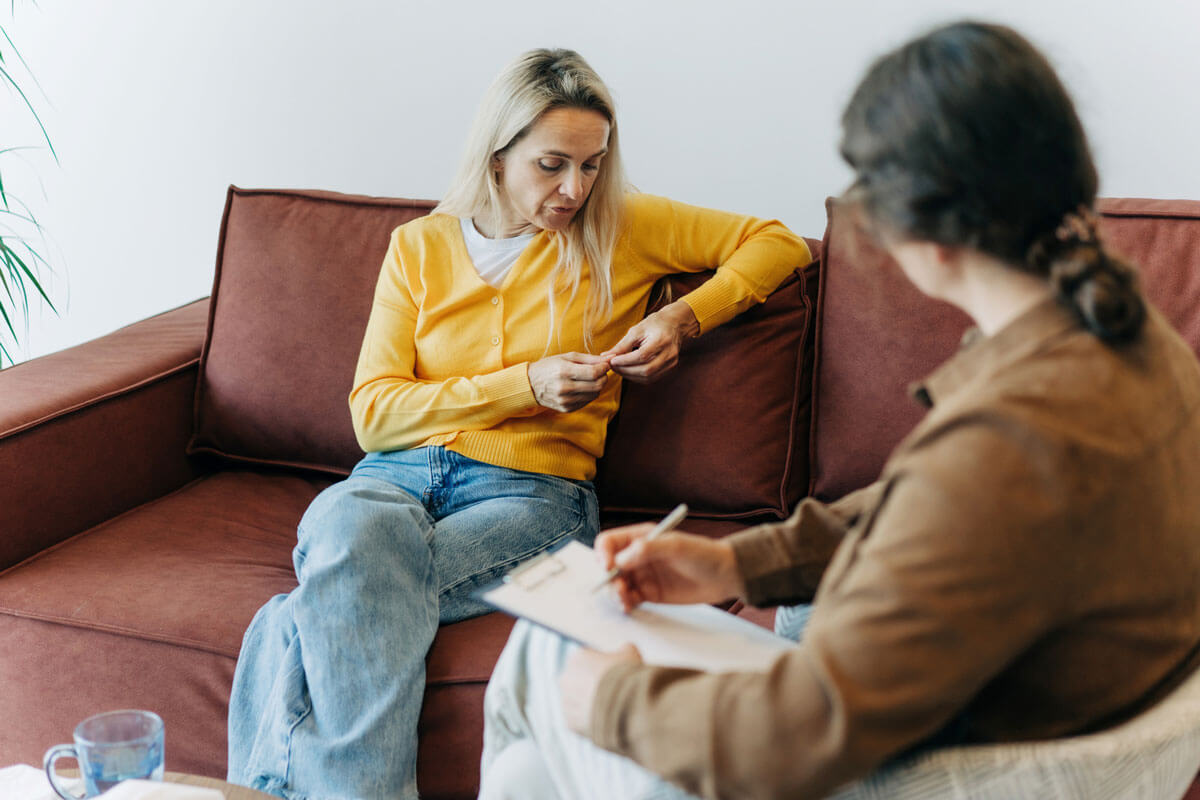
{"x": 1025, "y": 567}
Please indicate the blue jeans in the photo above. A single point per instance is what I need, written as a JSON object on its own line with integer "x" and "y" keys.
{"x": 329, "y": 683}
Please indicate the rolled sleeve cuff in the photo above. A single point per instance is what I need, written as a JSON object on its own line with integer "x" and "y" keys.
{"x": 761, "y": 553}
{"x": 607, "y": 728}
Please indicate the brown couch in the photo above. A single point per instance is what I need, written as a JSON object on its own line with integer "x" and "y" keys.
{"x": 153, "y": 478}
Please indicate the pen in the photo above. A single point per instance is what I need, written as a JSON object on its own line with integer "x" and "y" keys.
{"x": 665, "y": 524}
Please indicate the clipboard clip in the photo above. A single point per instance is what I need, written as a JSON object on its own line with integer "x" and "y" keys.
{"x": 536, "y": 571}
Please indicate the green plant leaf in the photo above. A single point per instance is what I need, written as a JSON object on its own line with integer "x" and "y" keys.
{"x": 8, "y": 212}
{"x": 30, "y": 276}
{"x": 3, "y": 195}
{"x": 19, "y": 258}
{"x": 11, "y": 299}
{"x": 8, "y": 322}
{"x": 14, "y": 278}
{"x": 4, "y": 74}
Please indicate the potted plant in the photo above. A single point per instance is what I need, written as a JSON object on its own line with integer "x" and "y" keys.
{"x": 20, "y": 233}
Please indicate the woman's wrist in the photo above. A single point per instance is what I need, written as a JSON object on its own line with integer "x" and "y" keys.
{"x": 680, "y": 315}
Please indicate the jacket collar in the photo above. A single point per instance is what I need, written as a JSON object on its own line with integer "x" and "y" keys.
{"x": 980, "y": 356}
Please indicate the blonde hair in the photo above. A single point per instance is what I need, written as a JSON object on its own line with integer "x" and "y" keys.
{"x": 536, "y": 82}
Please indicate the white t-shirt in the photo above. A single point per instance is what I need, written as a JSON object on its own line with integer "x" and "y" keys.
{"x": 493, "y": 258}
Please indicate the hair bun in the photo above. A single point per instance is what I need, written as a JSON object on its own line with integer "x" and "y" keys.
{"x": 1101, "y": 290}
{"x": 1076, "y": 232}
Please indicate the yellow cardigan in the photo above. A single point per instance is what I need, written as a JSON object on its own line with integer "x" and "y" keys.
{"x": 445, "y": 356}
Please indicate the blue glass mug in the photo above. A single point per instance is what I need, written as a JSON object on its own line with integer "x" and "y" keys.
{"x": 110, "y": 748}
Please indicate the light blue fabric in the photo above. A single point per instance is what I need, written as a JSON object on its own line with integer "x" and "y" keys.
{"x": 790, "y": 621}
{"x": 329, "y": 683}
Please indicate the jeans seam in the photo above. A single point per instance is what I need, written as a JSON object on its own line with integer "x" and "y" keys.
{"x": 287, "y": 764}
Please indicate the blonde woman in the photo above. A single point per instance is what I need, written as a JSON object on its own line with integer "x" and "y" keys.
{"x": 502, "y": 326}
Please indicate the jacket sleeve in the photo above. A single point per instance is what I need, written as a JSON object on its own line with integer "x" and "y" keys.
{"x": 392, "y": 409}
{"x": 927, "y": 600}
{"x": 783, "y": 562}
{"x": 751, "y": 256}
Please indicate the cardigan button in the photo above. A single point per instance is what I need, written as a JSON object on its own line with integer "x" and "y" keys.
{"x": 495, "y": 301}
{"x": 495, "y": 340}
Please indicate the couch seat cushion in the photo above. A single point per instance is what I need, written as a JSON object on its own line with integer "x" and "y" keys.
{"x": 188, "y": 569}
{"x": 148, "y": 610}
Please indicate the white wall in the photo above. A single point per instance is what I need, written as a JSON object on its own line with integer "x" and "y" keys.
{"x": 155, "y": 107}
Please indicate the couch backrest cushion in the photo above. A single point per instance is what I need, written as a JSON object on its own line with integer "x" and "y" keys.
{"x": 726, "y": 431}
{"x": 1162, "y": 238}
{"x": 296, "y": 271}
{"x": 877, "y": 333}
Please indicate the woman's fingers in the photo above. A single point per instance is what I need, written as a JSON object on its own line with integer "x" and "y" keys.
{"x": 648, "y": 350}
{"x": 569, "y": 381}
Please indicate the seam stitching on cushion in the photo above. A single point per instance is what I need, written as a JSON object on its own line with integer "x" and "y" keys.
{"x": 94, "y": 401}
{"x": 205, "y": 346}
{"x": 333, "y": 197}
{"x": 818, "y": 343}
{"x": 321, "y": 469}
{"x": 117, "y": 629}
{"x": 464, "y": 681}
{"x": 797, "y": 387}
{"x": 781, "y": 511}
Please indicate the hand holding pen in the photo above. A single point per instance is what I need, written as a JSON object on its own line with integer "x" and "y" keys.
{"x": 667, "y": 523}
{"x": 667, "y": 567}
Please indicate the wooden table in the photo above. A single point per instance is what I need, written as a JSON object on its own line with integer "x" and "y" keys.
{"x": 230, "y": 790}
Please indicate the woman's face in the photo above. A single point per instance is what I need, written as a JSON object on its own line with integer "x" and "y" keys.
{"x": 546, "y": 176}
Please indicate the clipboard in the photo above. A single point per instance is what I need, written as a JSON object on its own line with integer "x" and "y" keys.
{"x": 554, "y": 590}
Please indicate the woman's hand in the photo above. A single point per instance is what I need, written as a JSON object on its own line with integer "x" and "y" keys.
{"x": 581, "y": 677}
{"x": 674, "y": 568}
{"x": 651, "y": 348}
{"x": 569, "y": 381}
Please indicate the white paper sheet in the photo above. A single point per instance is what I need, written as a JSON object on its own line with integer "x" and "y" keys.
{"x": 23, "y": 782}
{"x": 556, "y": 592}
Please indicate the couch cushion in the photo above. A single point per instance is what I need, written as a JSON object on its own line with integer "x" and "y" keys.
{"x": 725, "y": 431}
{"x": 1162, "y": 237}
{"x": 148, "y": 610}
{"x": 877, "y": 333}
{"x": 295, "y": 275}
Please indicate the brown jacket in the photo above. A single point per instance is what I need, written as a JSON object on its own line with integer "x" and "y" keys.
{"x": 1028, "y": 564}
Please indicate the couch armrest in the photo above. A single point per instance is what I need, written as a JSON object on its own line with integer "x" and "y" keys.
{"x": 97, "y": 429}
